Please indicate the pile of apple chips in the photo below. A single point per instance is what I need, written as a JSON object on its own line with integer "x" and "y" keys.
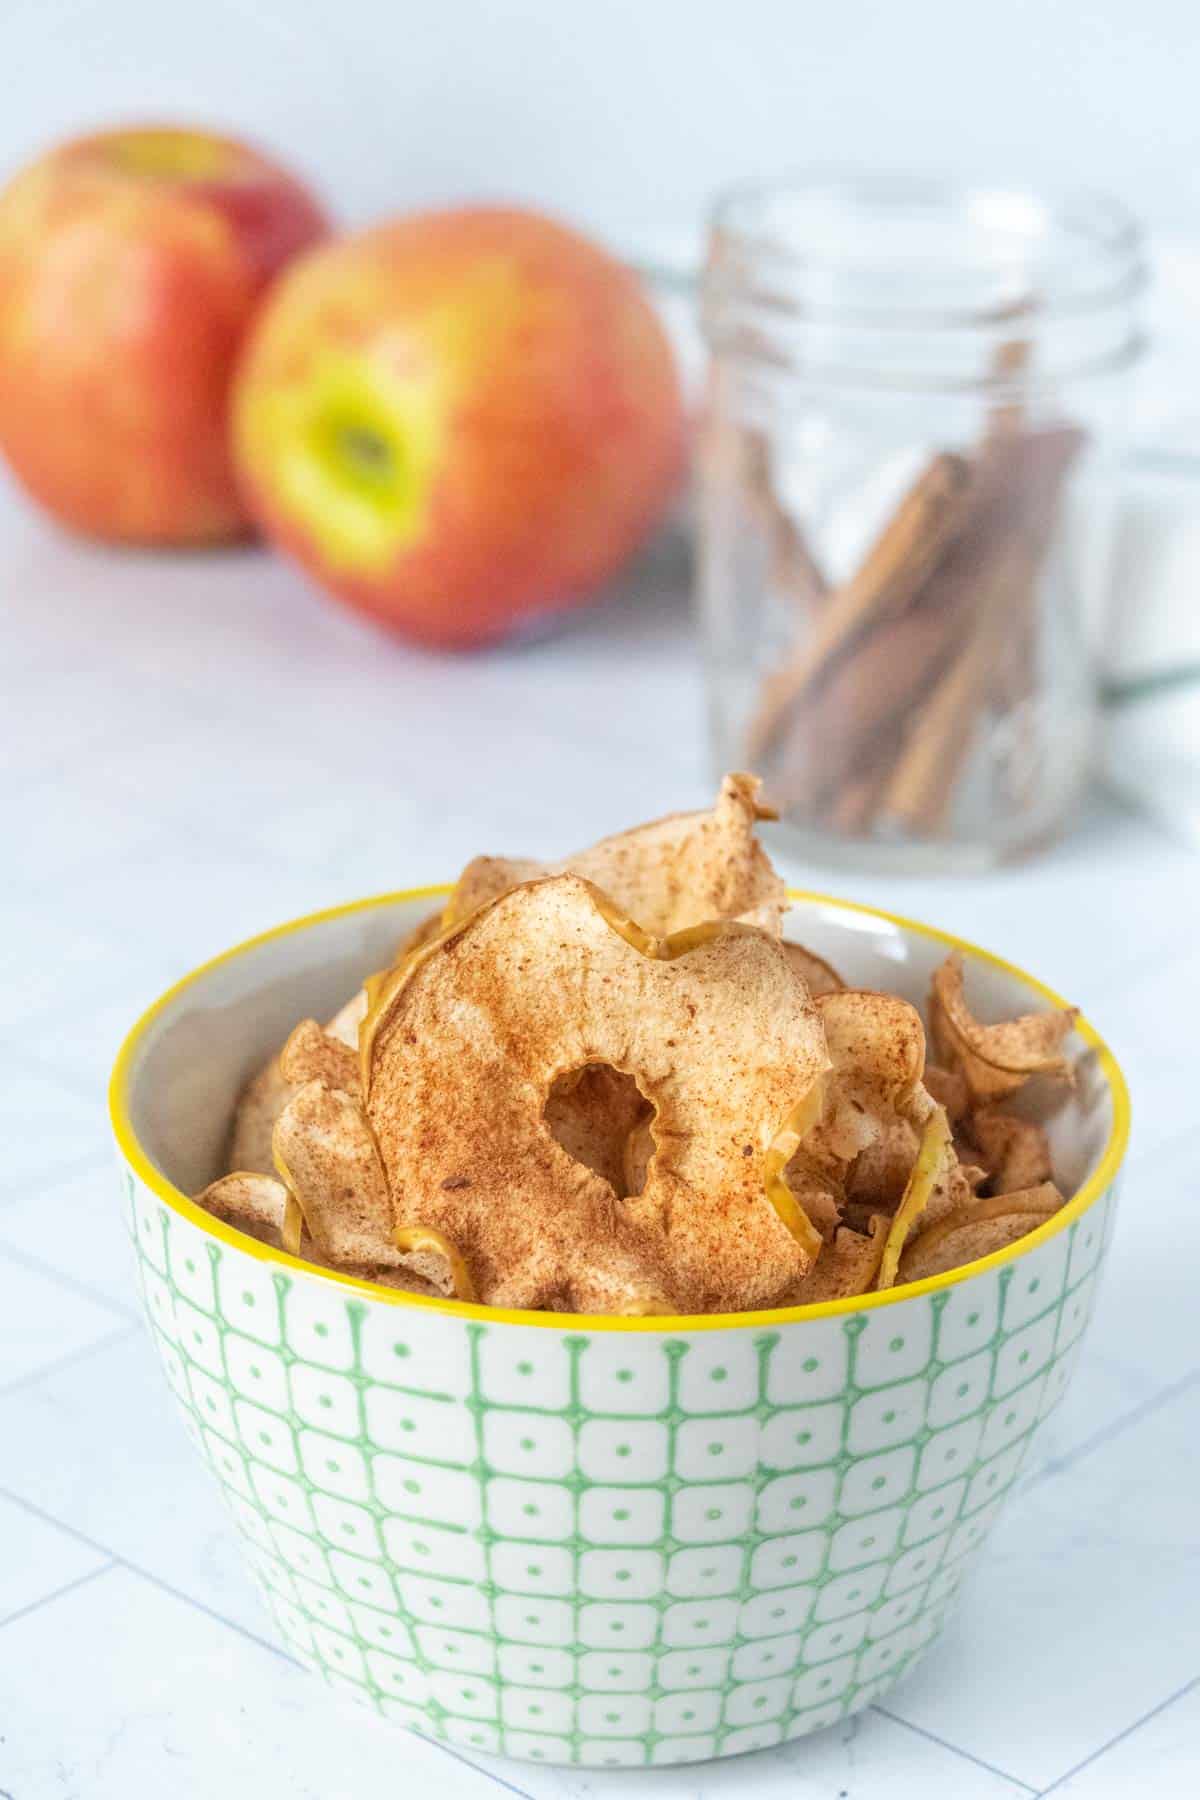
{"x": 608, "y": 1085}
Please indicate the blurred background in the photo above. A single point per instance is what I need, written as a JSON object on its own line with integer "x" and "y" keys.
{"x": 197, "y": 743}
{"x": 626, "y": 117}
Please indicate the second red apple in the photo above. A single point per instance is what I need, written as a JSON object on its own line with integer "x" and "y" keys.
{"x": 459, "y": 420}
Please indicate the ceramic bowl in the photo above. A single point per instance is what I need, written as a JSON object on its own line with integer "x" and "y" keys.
{"x": 591, "y": 1540}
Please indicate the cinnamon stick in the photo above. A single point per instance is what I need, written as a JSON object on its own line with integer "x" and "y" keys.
{"x": 919, "y": 793}
{"x": 888, "y": 579}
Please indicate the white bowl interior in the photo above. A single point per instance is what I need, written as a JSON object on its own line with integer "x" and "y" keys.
{"x": 204, "y": 1044}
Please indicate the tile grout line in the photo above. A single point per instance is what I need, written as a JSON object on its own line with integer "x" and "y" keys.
{"x": 1129, "y": 1730}
{"x": 106, "y": 1342}
{"x": 81, "y": 1289}
{"x": 68, "y": 1587}
{"x": 117, "y": 1561}
{"x": 1059, "y": 1464}
{"x": 132, "y": 1568}
{"x": 500, "y": 1780}
{"x": 954, "y": 1749}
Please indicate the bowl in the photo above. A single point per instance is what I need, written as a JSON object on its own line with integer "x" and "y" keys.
{"x": 599, "y": 1541}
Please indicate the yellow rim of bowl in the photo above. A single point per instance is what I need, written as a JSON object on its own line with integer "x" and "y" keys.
{"x": 1097, "y": 1184}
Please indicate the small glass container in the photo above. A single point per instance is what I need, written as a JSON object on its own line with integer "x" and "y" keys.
{"x": 914, "y": 416}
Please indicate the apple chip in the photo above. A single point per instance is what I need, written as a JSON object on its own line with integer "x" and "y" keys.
{"x": 675, "y": 872}
{"x": 324, "y": 1151}
{"x": 995, "y": 1060}
{"x": 311, "y": 1054}
{"x": 929, "y": 1167}
{"x": 847, "y": 1265}
{"x": 250, "y": 1202}
{"x": 978, "y": 1230}
{"x": 259, "y": 1105}
{"x": 821, "y": 977}
{"x": 949, "y": 1088}
{"x": 876, "y": 1046}
{"x": 1015, "y": 1152}
{"x": 257, "y": 1205}
{"x": 721, "y": 1041}
{"x": 267, "y": 1093}
{"x": 878, "y": 1176}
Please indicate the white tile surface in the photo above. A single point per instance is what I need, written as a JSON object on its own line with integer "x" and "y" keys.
{"x": 868, "y": 1758}
{"x": 43, "y": 1323}
{"x": 71, "y": 1224}
{"x": 196, "y": 773}
{"x": 132, "y": 1481}
{"x": 1088, "y": 1590}
{"x": 118, "y": 1689}
{"x": 43, "y": 1126}
{"x": 1144, "y": 1760}
{"x": 39, "y": 1560}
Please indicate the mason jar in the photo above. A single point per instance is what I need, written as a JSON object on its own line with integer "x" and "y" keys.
{"x": 913, "y": 425}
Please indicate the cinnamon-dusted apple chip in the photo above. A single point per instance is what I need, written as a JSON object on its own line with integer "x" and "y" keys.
{"x": 876, "y": 1046}
{"x": 267, "y": 1092}
{"x": 324, "y": 1152}
{"x": 979, "y": 1229}
{"x": 1015, "y": 1152}
{"x": 670, "y": 874}
{"x": 821, "y": 977}
{"x": 258, "y": 1205}
{"x": 995, "y": 1060}
{"x": 250, "y": 1202}
{"x": 722, "y": 1042}
{"x": 847, "y": 1265}
{"x": 311, "y": 1054}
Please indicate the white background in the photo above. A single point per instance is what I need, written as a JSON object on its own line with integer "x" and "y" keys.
{"x": 192, "y": 749}
{"x": 625, "y": 114}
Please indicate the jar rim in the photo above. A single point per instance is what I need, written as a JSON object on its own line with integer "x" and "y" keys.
{"x": 1096, "y": 223}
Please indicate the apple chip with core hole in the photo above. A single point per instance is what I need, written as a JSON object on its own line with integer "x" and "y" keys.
{"x": 719, "y": 1039}
{"x": 994, "y": 1060}
{"x": 672, "y": 873}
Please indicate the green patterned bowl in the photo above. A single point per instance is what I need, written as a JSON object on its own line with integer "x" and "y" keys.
{"x": 590, "y": 1540}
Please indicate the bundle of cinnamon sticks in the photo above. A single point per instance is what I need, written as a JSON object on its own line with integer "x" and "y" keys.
{"x": 869, "y": 723}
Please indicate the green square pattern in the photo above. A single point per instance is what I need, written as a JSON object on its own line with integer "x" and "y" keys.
{"x": 606, "y": 1548}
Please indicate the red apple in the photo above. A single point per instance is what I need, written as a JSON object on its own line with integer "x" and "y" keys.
{"x": 131, "y": 264}
{"x": 459, "y": 420}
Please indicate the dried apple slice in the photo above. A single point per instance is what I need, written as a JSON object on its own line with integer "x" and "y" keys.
{"x": 978, "y": 1230}
{"x": 721, "y": 1039}
{"x": 268, "y": 1092}
{"x": 848, "y": 1265}
{"x": 931, "y": 1161}
{"x": 325, "y": 1153}
{"x": 669, "y": 874}
{"x": 995, "y": 1060}
{"x": 1014, "y": 1151}
{"x": 949, "y": 1088}
{"x": 250, "y": 1202}
{"x": 311, "y": 1054}
{"x": 820, "y": 977}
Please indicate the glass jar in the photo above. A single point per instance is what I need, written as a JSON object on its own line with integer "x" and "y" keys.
{"x": 914, "y": 414}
